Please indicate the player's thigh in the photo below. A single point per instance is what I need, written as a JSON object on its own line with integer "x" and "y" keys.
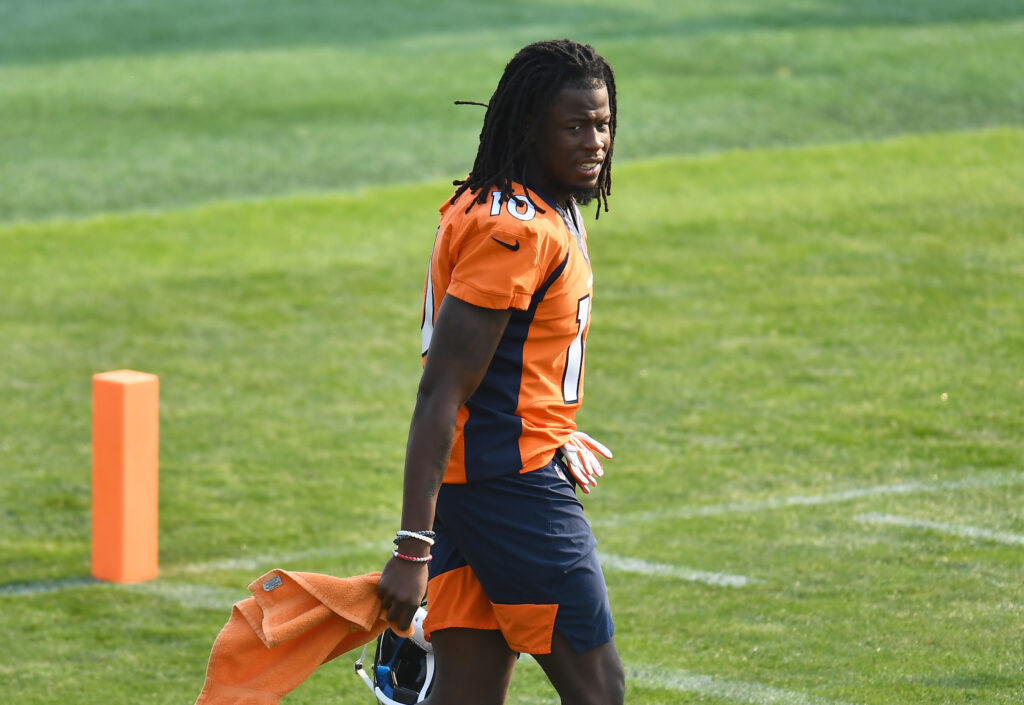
{"x": 594, "y": 677}
{"x": 473, "y": 666}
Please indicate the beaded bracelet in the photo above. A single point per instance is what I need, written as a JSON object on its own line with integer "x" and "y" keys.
{"x": 412, "y": 559}
{"x": 426, "y": 537}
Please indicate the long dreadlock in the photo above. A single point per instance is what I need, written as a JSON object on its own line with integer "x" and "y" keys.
{"x": 532, "y": 79}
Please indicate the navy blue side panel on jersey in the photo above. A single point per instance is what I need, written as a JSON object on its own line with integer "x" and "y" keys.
{"x": 492, "y": 431}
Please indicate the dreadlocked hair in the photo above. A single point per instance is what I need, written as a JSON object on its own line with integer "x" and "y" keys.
{"x": 532, "y": 79}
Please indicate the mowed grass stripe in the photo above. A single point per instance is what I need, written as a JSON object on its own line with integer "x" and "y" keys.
{"x": 143, "y": 105}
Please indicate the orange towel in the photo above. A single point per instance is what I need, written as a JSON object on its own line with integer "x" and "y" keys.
{"x": 293, "y": 623}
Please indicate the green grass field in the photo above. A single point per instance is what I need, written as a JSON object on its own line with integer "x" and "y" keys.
{"x": 806, "y": 350}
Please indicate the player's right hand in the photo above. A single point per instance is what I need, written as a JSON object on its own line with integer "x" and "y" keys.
{"x": 401, "y": 590}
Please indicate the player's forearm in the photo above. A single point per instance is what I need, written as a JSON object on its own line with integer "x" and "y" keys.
{"x": 464, "y": 340}
{"x": 431, "y": 435}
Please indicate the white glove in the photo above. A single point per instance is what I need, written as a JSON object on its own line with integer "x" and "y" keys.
{"x": 579, "y": 454}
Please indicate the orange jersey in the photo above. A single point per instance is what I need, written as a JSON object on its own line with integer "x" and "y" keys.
{"x": 510, "y": 255}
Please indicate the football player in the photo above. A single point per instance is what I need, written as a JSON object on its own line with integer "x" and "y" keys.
{"x": 490, "y": 514}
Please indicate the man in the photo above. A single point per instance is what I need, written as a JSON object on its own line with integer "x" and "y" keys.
{"x": 489, "y": 504}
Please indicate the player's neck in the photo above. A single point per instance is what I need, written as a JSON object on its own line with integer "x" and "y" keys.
{"x": 553, "y": 196}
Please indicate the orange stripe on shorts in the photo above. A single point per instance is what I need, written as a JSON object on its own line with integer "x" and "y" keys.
{"x": 455, "y": 599}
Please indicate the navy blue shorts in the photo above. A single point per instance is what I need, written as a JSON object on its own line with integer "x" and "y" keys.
{"x": 515, "y": 553}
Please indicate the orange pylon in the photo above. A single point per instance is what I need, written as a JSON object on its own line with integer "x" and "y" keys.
{"x": 125, "y": 482}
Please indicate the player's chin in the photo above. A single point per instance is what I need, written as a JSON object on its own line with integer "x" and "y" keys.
{"x": 586, "y": 194}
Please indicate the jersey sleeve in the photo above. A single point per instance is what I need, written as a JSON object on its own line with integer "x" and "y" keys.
{"x": 498, "y": 269}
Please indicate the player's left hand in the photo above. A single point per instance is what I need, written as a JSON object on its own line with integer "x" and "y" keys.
{"x": 580, "y": 454}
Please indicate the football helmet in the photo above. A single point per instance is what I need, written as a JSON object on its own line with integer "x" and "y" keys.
{"x": 403, "y": 667}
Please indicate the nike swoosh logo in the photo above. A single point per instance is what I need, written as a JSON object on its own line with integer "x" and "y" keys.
{"x": 505, "y": 244}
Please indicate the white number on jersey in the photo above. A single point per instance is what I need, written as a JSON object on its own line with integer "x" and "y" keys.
{"x": 427, "y": 327}
{"x": 574, "y": 357}
{"x": 517, "y": 206}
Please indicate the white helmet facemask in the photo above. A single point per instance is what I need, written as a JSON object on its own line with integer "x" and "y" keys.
{"x": 403, "y": 667}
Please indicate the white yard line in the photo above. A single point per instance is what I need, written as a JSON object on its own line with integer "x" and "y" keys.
{"x": 730, "y": 690}
{"x": 971, "y": 532}
{"x": 199, "y": 596}
{"x": 268, "y": 561}
{"x": 722, "y": 688}
{"x": 254, "y": 564}
{"x": 191, "y": 595}
{"x": 39, "y": 587}
{"x": 635, "y": 565}
{"x": 982, "y": 480}
{"x": 187, "y": 595}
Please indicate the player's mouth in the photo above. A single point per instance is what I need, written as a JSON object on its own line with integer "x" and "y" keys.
{"x": 589, "y": 169}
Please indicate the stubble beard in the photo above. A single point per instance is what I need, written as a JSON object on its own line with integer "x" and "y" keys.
{"x": 586, "y": 195}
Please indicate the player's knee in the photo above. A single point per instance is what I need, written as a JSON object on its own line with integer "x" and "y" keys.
{"x": 612, "y": 692}
{"x": 616, "y": 684}
{"x": 607, "y": 688}
{"x": 613, "y": 682}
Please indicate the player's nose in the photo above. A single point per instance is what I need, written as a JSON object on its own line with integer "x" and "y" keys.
{"x": 593, "y": 139}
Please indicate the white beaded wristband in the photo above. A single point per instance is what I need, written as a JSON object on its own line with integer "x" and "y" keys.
{"x": 424, "y": 536}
